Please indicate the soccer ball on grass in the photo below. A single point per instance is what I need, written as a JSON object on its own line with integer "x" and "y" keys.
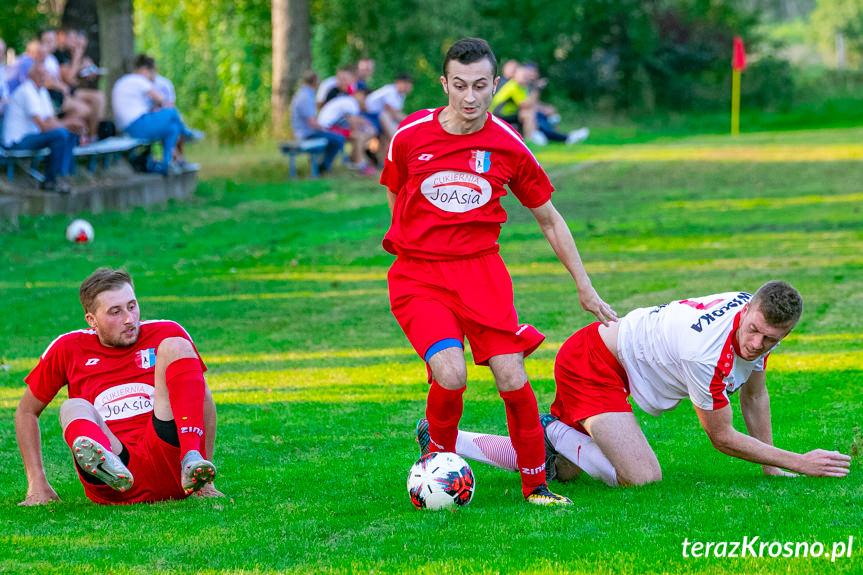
{"x": 440, "y": 480}
{"x": 80, "y": 232}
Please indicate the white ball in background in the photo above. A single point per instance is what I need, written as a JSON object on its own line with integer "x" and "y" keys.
{"x": 80, "y": 231}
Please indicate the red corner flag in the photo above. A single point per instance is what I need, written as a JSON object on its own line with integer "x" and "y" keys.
{"x": 738, "y": 61}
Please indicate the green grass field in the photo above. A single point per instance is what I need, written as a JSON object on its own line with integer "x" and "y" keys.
{"x": 282, "y": 286}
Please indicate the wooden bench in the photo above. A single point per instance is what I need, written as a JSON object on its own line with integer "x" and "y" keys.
{"x": 107, "y": 150}
{"x": 11, "y": 158}
{"x": 314, "y": 147}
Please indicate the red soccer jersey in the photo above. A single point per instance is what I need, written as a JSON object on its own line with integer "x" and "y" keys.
{"x": 448, "y": 187}
{"x": 118, "y": 381}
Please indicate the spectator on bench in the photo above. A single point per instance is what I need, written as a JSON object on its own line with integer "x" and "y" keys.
{"x": 305, "y": 124}
{"x": 4, "y": 87}
{"x": 518, "y": 103}
{"x": 30, "y": 124}
{"x": 343, "y": 83}
{"x": 134, "y": 97}
{"x": 384, "y": 107}
{"x": 69, "y": 54}
{"x": 343, "y": 115}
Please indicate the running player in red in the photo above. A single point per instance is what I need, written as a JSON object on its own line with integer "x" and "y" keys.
{"x": 703, "y": 349}
{"x": 445, "y": 173}
{"x": 139, "y": 420}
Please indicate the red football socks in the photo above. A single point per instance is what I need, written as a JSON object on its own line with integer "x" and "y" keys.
{"x": 443, "y": 410}
{"x": 522, "y": 419}
{"x": 186, "y": 389}
{"x": 87, "y": 428}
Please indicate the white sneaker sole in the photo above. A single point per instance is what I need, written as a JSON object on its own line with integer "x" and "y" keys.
{"x": 196, "y": 472}
{"x": 101, "y": 463}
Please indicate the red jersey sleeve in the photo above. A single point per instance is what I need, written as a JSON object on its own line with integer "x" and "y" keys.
{"x": 49, "y": 375}
{"x": 530, "y": 184}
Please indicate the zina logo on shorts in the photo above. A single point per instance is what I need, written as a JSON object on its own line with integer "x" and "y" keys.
{"x": 127, "y": 400}
{"x": 456, "y": 192}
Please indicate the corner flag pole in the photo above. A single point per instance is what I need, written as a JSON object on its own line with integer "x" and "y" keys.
{"x": 738, "y": 63}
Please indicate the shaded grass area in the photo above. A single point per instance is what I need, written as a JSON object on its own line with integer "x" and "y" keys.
{"x": 283, "y": 287}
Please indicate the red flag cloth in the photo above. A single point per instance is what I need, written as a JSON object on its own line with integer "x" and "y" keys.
{"x": 738, "y": 61}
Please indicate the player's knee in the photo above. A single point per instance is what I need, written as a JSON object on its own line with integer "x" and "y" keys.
{"x": 451, "y": 376}
{"x": 639, "y": 475}
{"x": 74, "y": 408}
{"x": 174, "y": 348}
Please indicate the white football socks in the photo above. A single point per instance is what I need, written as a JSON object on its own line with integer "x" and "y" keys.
{"x": 580, "y": 449}
{"x": 497, "y": 450}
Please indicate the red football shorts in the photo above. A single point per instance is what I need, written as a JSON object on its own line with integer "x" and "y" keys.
{"x": 588, "y": 379}
{"x": 155, "y": 467}
{"x": 435, "y": 300}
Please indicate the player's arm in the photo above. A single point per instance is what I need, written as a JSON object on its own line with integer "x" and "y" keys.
{"x": 557, "y": 233}
{"x": 819, "y": 462}
{"x": 39, "y": 491}
{"x": 755, "y": 407}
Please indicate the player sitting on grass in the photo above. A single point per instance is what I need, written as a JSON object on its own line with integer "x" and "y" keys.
{"x": 703, "y": 348}
{"x": 139, "y": 419}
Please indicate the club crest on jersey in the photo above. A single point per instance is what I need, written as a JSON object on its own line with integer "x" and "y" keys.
{"x": 480, "y": 161}
{"x": 146, "y": 358}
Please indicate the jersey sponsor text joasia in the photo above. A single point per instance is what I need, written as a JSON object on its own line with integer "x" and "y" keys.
{"x": 117, "y": 381}
{"x": 448, "y": 187}
{"x": 685, "y": 349}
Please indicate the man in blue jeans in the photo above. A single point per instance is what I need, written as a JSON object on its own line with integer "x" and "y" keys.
{"x": 30, "y": 124}
{"x": 305, "y": 123}
{"x": 134, "y": 97}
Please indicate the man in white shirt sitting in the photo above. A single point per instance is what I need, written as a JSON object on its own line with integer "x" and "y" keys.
{"x": 30, "y": 124}
{"x": 343, "y": 115}
{"x": 133, "y": 98}
{"x": 703, "y": 349}
{"x": 384, "y": 107}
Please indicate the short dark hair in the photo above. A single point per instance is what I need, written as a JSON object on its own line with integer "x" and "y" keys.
{"x": 144, "y": 61}
{"x": 310, "y": 77}
{"x": 405, "y": 77}
{"x": 779, "y": 303}
{"x": 468, "y": 51}
{"x": 103, "y": 279}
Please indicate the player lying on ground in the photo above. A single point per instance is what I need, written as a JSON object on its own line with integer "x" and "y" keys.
{"x": 139, "y": 420}
{"x": 703, "y": 348}
{"x": 445, "y": 174}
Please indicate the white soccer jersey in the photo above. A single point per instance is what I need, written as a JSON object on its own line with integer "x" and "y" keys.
{"x": 685, "y": 349}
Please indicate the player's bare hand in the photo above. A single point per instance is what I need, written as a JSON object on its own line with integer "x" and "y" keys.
{"x": 209, "y": 490}
{"x": 823, "y": 463}
{"x": 590, "y": 301}
{"x": 777, "y": 472}
{"x": 40, "y": 497}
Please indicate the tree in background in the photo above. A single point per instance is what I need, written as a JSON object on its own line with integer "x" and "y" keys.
{"x": 116, "y": 41}
{"x": 219, "y": 56}
{"x": 292, "y": 55}
{"x": 834, "y": 17}
{"x": 21, "y": 21}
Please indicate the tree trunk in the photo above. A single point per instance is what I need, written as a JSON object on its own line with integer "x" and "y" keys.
{"x": 116, "y": 41}
{"x": 292, "y": 55}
